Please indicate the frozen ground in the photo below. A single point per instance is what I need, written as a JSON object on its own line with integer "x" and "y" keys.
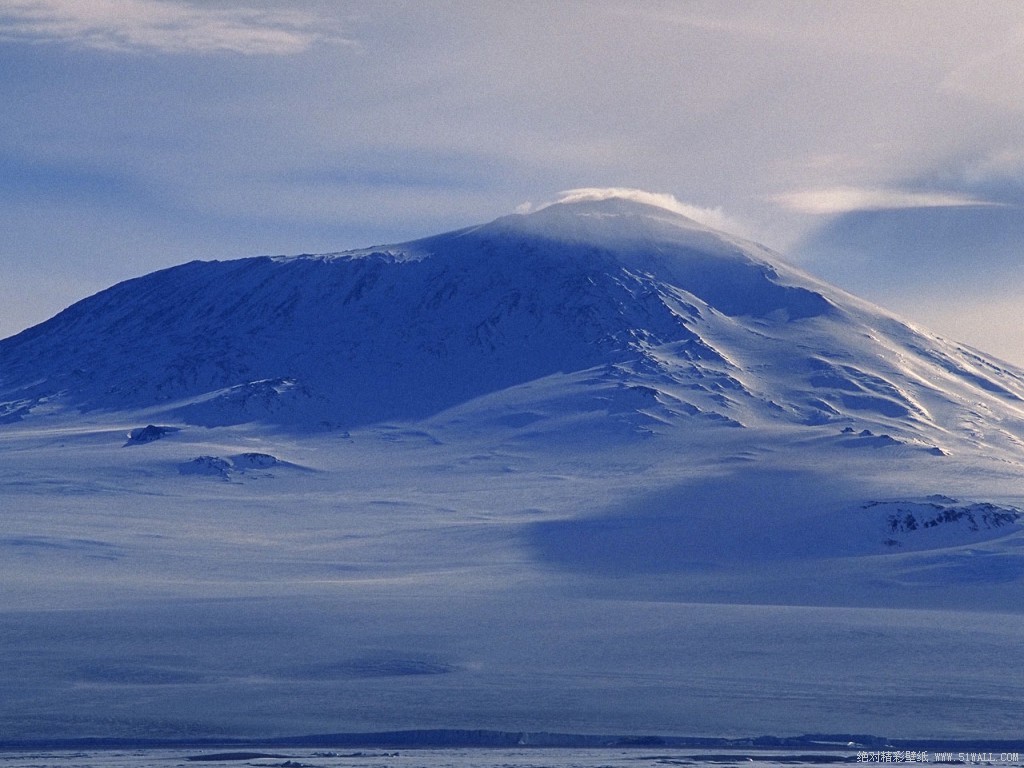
{"x": 399, "y": 578}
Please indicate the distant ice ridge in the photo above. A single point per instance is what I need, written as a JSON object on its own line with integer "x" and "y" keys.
{"x": 810, "y": 753}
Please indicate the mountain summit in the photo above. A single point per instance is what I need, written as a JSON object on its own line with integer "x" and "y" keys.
{"x": 707, "y": 324}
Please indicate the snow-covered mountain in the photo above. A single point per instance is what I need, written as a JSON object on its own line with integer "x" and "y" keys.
{"x": 596, "y": 468}
{"x": 671, "y": 321}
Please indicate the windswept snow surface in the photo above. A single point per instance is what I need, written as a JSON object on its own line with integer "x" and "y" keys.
{"x": 595, "y": 469}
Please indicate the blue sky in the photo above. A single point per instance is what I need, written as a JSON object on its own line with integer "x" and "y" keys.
{"x": 877, "y": 144}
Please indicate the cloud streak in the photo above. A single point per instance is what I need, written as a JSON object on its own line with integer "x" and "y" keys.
{"x": 165, "y": 26}
{"x": 849, "y": 199}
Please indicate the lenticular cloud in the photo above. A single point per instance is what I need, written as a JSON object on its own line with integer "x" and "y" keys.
{"x": 837, "y": 200}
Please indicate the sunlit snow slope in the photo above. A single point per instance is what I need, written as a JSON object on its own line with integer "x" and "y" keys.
{"x": 596, "y": 468}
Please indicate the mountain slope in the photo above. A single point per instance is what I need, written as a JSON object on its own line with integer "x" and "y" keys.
{"x": 707, "y": 323}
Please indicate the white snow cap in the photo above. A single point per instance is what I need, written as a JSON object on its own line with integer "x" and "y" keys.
{"x": 709, "y": 217}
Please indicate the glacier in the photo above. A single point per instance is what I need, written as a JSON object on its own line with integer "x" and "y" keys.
{"x": 592, "y": 469}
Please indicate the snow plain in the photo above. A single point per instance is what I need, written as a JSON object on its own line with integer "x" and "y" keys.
{"x": 716, "y": 515}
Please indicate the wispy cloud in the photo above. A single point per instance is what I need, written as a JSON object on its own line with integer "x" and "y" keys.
{"x": 711, "y": 217}
{"x": 992, "y": 75}
{"x": 168, "y": 26}
{"x": 848, "y": 199}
